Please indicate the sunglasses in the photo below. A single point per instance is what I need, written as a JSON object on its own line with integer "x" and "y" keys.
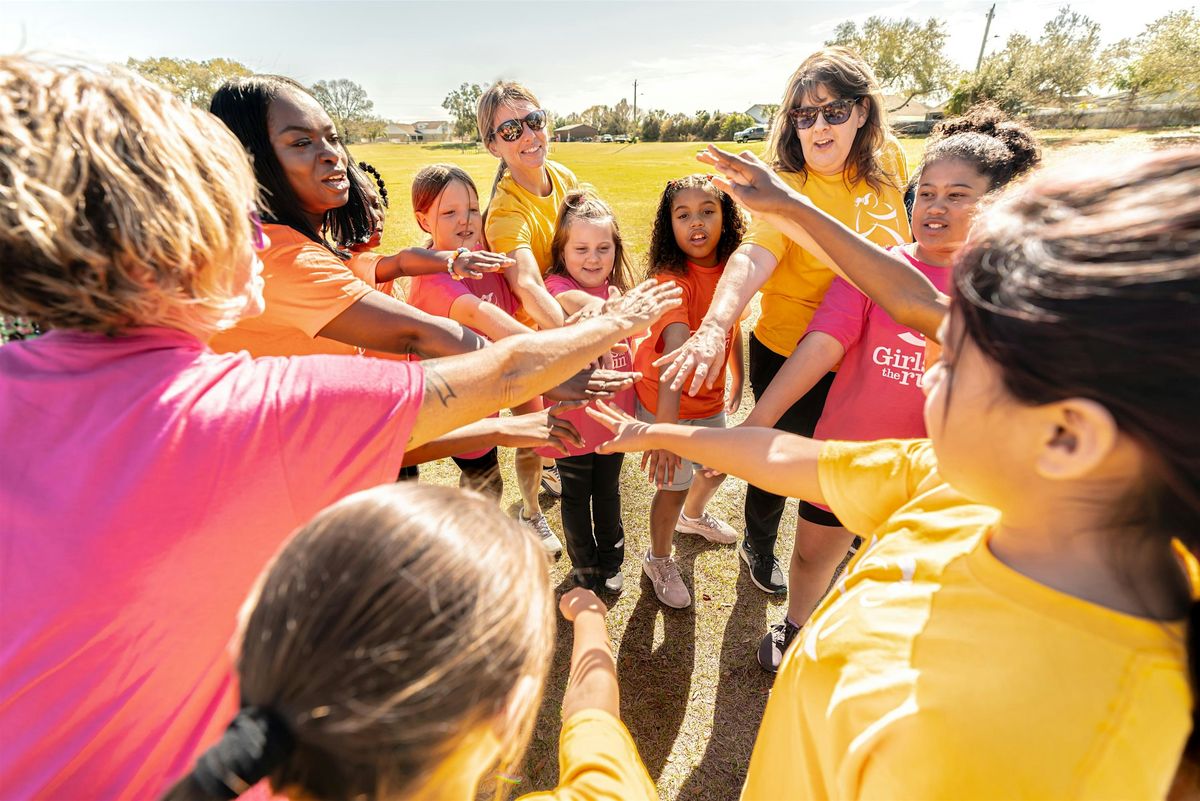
{"x": 835, "y": 112}
{"x": 510, "y": 130}
{"x": 257, "y": 238}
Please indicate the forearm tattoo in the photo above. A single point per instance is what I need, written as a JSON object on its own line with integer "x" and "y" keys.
{"x": 435, "y": 381}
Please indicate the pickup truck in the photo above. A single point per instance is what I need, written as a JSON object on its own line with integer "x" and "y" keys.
{"x": 755, "y": 133}
{"x": 621, "y": 138}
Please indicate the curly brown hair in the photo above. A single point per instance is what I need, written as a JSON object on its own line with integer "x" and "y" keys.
{"x": 665, "y": 255}
{"x": 845, "y": 75}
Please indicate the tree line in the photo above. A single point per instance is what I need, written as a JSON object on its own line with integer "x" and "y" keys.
{"x": 908, "y": 56}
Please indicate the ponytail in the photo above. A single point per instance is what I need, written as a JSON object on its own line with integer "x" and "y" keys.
{"x": 253, "y": 746}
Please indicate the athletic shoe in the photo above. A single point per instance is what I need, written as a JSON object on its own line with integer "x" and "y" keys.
{"x": 550, "y": 543}
{"x": 775, "y": 643}
{"x": 551, "y": 481}
{"x": 707, "y": 526}
{"x": 615, "y": 582}
{"x": 764, "y": 570}
{"x": 668, "y": 584}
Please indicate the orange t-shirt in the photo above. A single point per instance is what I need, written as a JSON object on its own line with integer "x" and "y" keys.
{"x": 698, "y": 286}
{"x": 306, "y": 286}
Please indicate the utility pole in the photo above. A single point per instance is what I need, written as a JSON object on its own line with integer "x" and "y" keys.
{"x": 986, "y": 30}
{"x": 635, "y": 105}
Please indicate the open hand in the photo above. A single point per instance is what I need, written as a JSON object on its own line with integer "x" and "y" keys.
{"x": 539, "y": 429}
{"x": 631, "y": 434}
{"x": 579, "y": 600}
{"x": 475, "y": 263}
{"x": 749, "y": 179}
{"x": 638, "y": 308}
{"x": 701, "y": 357}
{"x": 592, "y": 383}
{"x": 660, "y": 466}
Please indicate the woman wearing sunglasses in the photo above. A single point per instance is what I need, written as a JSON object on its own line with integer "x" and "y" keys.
{"x": 830, "y": 142}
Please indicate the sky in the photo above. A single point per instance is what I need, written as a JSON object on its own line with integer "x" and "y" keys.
{"x": 573, "y": 54}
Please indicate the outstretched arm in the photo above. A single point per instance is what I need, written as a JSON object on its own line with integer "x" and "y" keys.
{"x": 525, "y": 279}
{"x": 784, "y": 464}
{"x": 816, "y": 355}
{"x": 380, "y": 322}
{"x": 422, "y": 261}
{"x": 462, "y": 389}
{"x": 909, "y": 297}
{"x": 532, "y": 430}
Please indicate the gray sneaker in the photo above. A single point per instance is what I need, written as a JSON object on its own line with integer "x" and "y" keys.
{"x": 707, "y": 526}
{"x": 668, "y": 583}
{"x": 550, "y": 542}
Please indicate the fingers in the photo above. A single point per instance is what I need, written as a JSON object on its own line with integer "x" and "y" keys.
{"x": 566, "y": 432}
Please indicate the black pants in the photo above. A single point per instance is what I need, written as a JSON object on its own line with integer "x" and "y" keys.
{"x": 591, "y": 514}
{"x": 763, "y": 510}
{"x": 482, "y": 473}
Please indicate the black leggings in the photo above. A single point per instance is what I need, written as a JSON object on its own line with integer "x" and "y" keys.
{"x": 591, "y": 514}
{"x": 764, "y": 509}
{"x": 481, "y": 474}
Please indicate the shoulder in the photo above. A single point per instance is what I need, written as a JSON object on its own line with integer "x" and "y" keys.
{"x": 562, "y": 174}
{"x": 556, "y": 284}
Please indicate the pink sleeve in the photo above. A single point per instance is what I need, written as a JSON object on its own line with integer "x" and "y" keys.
{"x": 435, "y": 294}
{"x": 343, "y": 422}
{"x": 842, "y": 314}
{"x": 558, "y": 284}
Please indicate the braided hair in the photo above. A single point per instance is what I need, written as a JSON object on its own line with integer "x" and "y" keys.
{"x": 370, "y": 169}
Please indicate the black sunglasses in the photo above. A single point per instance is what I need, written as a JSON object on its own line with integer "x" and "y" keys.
{"x": 835, "y": 112}
{"x": 510, "y": 130}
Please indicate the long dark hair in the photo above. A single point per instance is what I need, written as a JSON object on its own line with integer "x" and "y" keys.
{"x": 845, "y": 75}
{"x": 1089, "y": 286}
{"x": 244, "y": 104}
{"x": 389, "y": 627}
{"x": 665, "y": 255}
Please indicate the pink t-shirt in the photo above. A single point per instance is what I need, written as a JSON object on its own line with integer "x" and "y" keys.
{"x": 877, "y": 392}
{"x": 592, "y": 432}
{"x": 146, "y": 482}
{"x": 435, "y": 294}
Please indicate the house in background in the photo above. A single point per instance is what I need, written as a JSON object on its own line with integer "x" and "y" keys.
{"x": 912, "y": 111}
{"x": 399, "y": 133}
{"x": 576, "y": 133}
{"x": 433, "y": 130}
{"x": 758, "y": 113}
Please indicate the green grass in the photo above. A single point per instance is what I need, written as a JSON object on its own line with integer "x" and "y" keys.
{"x": 692, "y": 693}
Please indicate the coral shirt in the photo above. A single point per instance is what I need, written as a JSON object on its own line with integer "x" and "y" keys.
{"x": 435, "y": 294}
{"x": 698, "y": 285}
{"x": 933, "y": 670}
{"x": 877, "y": 391}
{"x": 795, "y": 289}
{"x": 146, "y": 482}
{"x": 305, "y": 288}
{"x": 592, "y": 432}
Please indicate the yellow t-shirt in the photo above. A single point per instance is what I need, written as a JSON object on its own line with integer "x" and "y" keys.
{"x": 597, "y": 761}
{"x": 305, "y": 287}
{"x": 517, "y": 218}
{"x": 792, "y": 294}
{"x": 934, "y": 671}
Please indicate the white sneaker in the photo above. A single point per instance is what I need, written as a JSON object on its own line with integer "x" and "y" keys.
{"x": 615, "y": 583}
{"x": 668, "y": 584}
{"x": 550, "y": 543}
{"x": 707, "y": 526}
{"x": 552, "y": 481}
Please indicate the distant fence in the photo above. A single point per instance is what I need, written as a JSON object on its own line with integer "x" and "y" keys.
{"x": 1109, "y": 117}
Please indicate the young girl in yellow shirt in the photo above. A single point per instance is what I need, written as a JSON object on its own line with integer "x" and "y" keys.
{"x": 417, "y": 671}
{"x": 1020, "y": 621}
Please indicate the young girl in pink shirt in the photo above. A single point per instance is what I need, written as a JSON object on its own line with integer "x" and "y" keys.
{"x": 446, "y": 205}
{"x": 877, "y": 393}
{"x": 588, "y": 261}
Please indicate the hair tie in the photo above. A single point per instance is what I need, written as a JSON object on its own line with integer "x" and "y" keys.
{"x": 255, "y": 743}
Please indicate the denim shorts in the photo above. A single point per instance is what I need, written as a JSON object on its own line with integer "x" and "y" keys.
{"x": 687, "y": 469}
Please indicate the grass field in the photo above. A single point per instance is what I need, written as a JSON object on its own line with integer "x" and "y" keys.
{"x": 692, "y": 693}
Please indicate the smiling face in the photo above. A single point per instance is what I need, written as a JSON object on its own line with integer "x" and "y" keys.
{"x": 696, "y": 221}
{"x": 947, "y": 197}
{"x": 826, "y": 147}
{"x": 310, "y": 152}
{"x": 528, "y": 153}
{"x": 453, "y": 219}
{"x": 590, "y": 252}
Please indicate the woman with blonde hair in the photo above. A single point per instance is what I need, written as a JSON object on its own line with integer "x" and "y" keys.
{"x": 147, "y": 479}
{"x": 417, "y": 672}
{"x": 830, "y": 141}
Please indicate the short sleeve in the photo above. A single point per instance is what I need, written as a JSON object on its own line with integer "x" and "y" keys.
{"x": 435, "y": 294}
{"x": 842, "y": 314}
{"x": 761, "y": 233}
{"x": 558, "y": 284}
{"x": 679, "y": 314}
{"x": 508, "y": 230}
{"x": 343, "y": 422}
{"x": 894, "y": 162}
{"x": 864, "y": 483}
{"x": 306, "y": 287}
{"x": 364, "y": 265}
{"x": 597, "y": 761}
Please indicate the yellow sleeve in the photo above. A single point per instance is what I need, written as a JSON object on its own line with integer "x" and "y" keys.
{"x": 864, "y": 483}
{"x": 306, "y": 286}
{"x": 895, "y": 162}
{"x": 507, "y": 228}
{"x": 597, "y": 761}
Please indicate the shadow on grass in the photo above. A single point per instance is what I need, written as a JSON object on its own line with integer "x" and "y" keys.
{"x": 742, "y": 691}
{"x": 656, "y": 681}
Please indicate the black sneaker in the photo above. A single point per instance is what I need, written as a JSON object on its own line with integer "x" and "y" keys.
{"x": 855, "y": 545}
{"x": 764, "y": 570}
{"x": 775, "y": 643}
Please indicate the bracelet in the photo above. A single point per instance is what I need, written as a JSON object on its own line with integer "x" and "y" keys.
{"x": 450, "y": 263}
